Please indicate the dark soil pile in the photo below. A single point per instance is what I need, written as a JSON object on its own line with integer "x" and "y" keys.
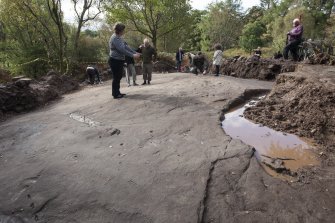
{"x": 160, "y": 66}
{"x": 302, "y": 103}
{"x": 25, "y": 94}
{"x": 263, "y": 69}
{"x": 164, "y": 67}
{"x": 165, "y": 63}
{"x": 321, "y": 58}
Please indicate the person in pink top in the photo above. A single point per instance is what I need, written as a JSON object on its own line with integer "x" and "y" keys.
{"x": 294, "y": 39}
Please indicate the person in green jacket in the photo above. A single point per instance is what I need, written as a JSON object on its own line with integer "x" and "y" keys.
{"x": 148, "y": 55}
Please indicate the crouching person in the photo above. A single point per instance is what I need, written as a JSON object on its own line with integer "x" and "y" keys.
{"x": 199, "y": 63}
{"x": 93, "y": 75}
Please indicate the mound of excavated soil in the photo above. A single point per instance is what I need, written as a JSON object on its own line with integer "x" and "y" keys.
{"x": 164, "y": 67}
{"x": 321, "y": 58}
{"x": 263, "y": 69}
{"x": 25, "y": 94}
{"x": 302, "y": 103}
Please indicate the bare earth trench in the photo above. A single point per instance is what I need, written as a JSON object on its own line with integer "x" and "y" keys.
{"x": 170, "y": 161}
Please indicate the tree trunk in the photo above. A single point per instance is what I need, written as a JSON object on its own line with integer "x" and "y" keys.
{"x": 165, "y": 44}
{"x": 154, "y": 40}
{"x": 60, "y": 50}
{"x": 76, "y": 40}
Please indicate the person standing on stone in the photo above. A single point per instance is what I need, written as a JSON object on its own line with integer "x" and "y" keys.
{"x": 294, "y": 38}
{"x": 148, "y": 55}
{"x": 118, "y": 51}
{"x": 130, "y": 70}
{"x": 179, "y": 58}
{"x": 217, "y": 58}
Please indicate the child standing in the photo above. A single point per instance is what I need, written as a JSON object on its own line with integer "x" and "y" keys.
{"x": 217, "y": 59}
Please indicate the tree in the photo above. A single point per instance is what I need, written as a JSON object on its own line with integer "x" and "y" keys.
{"x": 267, "y": 4}
{"x": 330, "y": 30}
{"x": 34, "y": 38}
{"x": 55, "y": 15}
{"x": 55, "y": 12}
{"x": 92, "y": 48}
{"x": 84, "y": 14}
{"x": 222, "y": 24}
{"x": 152, "y": 18}
{"x": 319, "y": 9}
{"x": 193, "y": 36}
{"x": 36, "y": 34}
{"x": 29, "y": 44}
{"x": 253, "y": 14}
{"x": 2, "y": 31}
{"x": 251, "y": 35}
{"x": 188, "y": 37}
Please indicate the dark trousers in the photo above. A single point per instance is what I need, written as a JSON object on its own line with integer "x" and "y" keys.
{"x": 97, "y": 75}
{"x": 293, "y": 47}
{"x": 217, "y": 70}
{"x": 93, "y": 75}
{"x": 147, "y": 71}
{"x": 179, "y": 66}
{"x": 117, "y": 70}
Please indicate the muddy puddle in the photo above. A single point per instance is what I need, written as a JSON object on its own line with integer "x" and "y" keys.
{"x": 289, "y": 150}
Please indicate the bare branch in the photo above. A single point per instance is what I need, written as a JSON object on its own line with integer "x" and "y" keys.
{"x": 40, "y": 21}
{"x": 133, "y": 19}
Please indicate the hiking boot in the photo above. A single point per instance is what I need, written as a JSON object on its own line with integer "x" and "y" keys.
{"x": 144, "y": 83}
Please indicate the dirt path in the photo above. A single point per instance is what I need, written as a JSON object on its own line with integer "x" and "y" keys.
{"x": 158, "y": 155}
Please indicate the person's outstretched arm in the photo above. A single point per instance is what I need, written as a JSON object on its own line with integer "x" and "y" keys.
{"x": 130, "y": 49}
{"x": 120, "y": 46}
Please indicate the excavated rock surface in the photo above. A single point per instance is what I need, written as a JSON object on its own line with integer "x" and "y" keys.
{"x": 170, "y": 161}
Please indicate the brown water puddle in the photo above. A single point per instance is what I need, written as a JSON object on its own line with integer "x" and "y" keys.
{"x": 294, "y": 152}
